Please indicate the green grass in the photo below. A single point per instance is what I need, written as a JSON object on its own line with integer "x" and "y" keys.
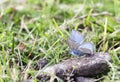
{"x": 36, "y": 24}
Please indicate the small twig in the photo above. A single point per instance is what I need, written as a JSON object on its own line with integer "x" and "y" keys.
{"x": 32, "y": 48}
{"x": 82, "y": 17}
{"x": 95, "y": 14}
{"x": 25, "y": 72}
{"x": 96, "y": 80}
{"x": 33, "y": 20}
{"x": 117, "y": 49}
{"x": 24, "y": 26}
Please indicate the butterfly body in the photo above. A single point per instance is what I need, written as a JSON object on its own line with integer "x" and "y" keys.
{"x": 78, "y": 46}
{"x": 77, "y": 53}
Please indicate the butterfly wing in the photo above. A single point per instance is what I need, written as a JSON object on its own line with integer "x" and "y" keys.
{"x": 73, "y": 48}
{"x": 77, "y": 36}
{"x": 72, "y": 44}
{"x": 77, "y": 46}
{"x": 87, "y": 48}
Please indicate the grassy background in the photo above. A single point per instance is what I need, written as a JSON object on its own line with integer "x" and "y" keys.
{"x": 34, "y": 29}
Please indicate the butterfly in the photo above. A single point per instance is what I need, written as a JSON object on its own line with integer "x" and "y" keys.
{"x": 77, "y": 45}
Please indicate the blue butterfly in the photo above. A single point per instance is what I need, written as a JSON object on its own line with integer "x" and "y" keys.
{"x": 78, "y": 46}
